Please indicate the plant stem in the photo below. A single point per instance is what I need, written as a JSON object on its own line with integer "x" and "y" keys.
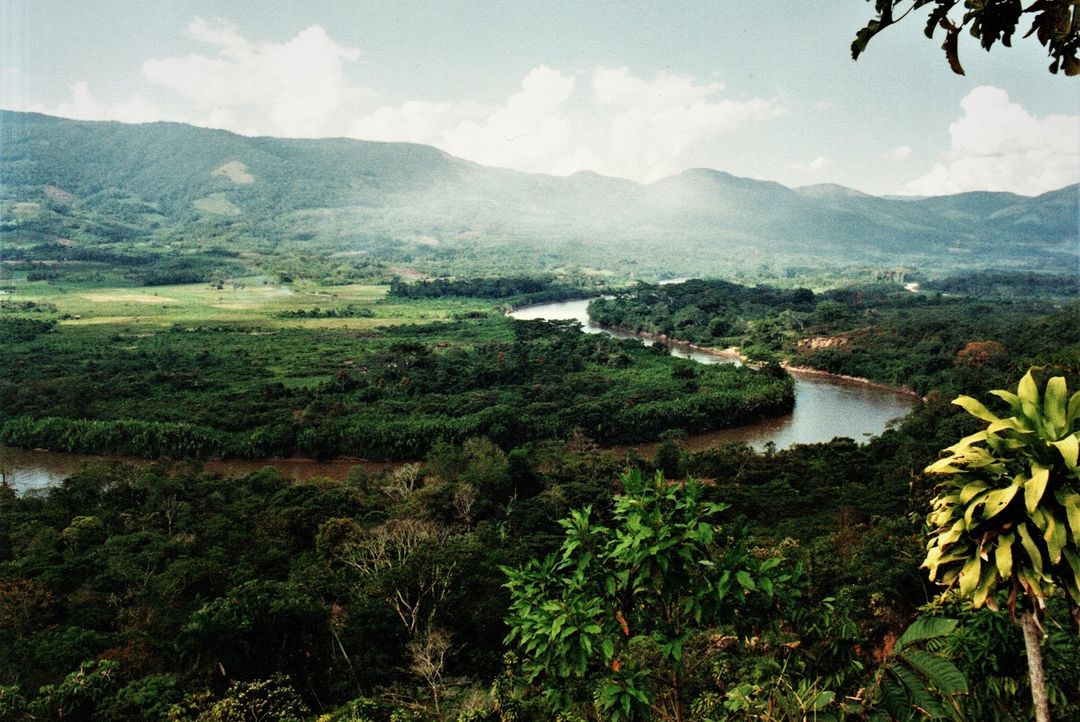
{"x": 1032, "y": 640}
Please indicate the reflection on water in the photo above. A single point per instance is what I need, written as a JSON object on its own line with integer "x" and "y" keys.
{"x": 825, "y": 407}
{"x": 28, "y": 470}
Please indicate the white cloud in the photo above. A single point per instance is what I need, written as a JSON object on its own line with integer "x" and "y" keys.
{"x": 663, "y": 125}
{"x": 295, "y": 88}
{"x": 618, "y": 87}
{"x": 13, "y": 87}
{"x": 997, "y": 145}
{"x": 608, "y": 120}
{"x": 84, "y": 106}
{"x": 627, "y": 126}
{"x": 815, "y": 168}
{"x": 900, "y": 152}
{"x": 527, "y": 133}
{"x": 417, "y": 121}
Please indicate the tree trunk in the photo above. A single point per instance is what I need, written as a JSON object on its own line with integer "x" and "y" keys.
{"x": 1032, "y": 640}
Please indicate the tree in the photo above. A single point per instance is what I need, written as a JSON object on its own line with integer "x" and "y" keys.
{"x": 427, "y": 659}
{"x": 259, "y": 701}
{"x": 622, "y": 608}
{"x": 1007, "y": 512}
{"x": 1055, "y": 24}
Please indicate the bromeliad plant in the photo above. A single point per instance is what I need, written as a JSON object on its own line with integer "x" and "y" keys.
{"x": 1007, "y": 515}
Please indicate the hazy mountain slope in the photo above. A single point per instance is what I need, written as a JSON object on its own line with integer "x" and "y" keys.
{"x": 103, "y": 182}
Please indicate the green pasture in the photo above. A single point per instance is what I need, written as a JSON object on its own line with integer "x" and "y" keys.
{"x": 254, "y": 301}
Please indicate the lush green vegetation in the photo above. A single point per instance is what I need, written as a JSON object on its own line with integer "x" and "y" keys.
{"x": 773, "y": 588}
{"x": 515, "y": 290}
{"x": 265, "y": 388}
{"x": 139, "y": 593}
{"x": 1008, "y": 285}
{"x": 926, "y": 341}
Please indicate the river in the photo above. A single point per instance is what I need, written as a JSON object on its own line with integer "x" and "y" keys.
{"x": 825, "y": 407}
{"x": 25, "y": 469}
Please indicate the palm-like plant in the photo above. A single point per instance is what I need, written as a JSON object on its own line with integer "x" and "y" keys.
{"x": 1007, "y": 513}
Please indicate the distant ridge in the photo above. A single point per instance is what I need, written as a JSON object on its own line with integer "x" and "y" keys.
{"x": 169, "y": 181}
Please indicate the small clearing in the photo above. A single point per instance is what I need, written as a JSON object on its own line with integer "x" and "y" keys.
{"x": 128, "y": 298}
{"x": 235, "y": 171}
{"x": 216, "y": 204}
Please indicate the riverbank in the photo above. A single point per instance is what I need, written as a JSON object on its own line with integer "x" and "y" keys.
{"x": 810, "y": 371}
{"x": 733, "y": 353}
{"x": 28, "y": 469}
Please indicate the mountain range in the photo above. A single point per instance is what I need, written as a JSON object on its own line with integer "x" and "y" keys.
{"x": 168, "y": 188}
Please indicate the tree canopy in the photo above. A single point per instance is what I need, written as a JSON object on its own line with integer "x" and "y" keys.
{"x": 1055, "y": 24}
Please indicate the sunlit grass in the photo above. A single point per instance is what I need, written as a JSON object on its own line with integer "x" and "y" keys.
{"x": 247, "y": 301}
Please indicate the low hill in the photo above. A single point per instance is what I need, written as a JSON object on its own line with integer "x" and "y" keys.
{"x": 78, "y": 192}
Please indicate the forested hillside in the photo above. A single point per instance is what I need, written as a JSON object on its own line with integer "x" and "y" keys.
{"x": 168, "y": 203}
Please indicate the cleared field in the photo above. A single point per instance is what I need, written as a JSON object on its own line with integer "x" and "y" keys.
{"x": 250, "y": 301}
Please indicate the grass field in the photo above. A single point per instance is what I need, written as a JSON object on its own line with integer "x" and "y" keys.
{"x": 253, "y": 301}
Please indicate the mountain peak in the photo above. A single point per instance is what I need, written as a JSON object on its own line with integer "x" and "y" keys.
{"x": 830, "y": 190}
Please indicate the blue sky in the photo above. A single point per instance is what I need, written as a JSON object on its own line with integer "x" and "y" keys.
{"x": 632, "y": 89}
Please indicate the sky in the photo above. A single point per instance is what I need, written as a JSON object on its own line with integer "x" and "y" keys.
{"x": 640, "y": 90}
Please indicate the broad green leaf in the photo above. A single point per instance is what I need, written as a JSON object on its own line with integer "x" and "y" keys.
{"x": 1071, "y": 501}
{"x": 971, "y": 489}
{"x": 862, "y": 37}
{"x": 1074, "y": 409}
{"x": 1054, "y": 398}
{"x": 1035, "y": 487}
{"x": 975, "y": 408}
{"x": 557, "y": 625}
{"x": 943, "y": 466}
{"x": 895, "y": 701}
{"x": 986, "y": 583}
{"x": 1032, "y": 550}
{"x": 920, "y": 695}
{"x": 942, "y": 674}
{"x": 1003, "y": 555}
{"x": 1027, "y": 390}
{"x": 944, "y": 517}
{"x": 1012, "y": 423}
{"x": 823, "y": 700}
{"x": 1069, "y": 447}
{"x": 1073, "y": 559}
{"x": 998, "y": 499}
{"x": 1055, "y": 538}
{"x": 933, "y": 555}
{"x": 1033, "y": 415}
{"x": 967, "y": 441}
{"x": 951, "y": 535}
{"x": 745, "y": 580}
{"x": 976, "y": 457}
{"x": 969, "y": 576}
{"x": 1008, "y": 397}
